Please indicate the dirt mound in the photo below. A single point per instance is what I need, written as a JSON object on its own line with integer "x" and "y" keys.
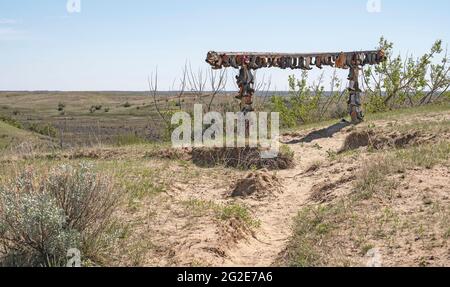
{"x": 170, "y": 153}
{"x": 94, "y": 154}
{"x": 230, "y": 233}
{"x": 381, "y": 140}
{"x": 323, "y": 192}
{"x": 243, "y": 158}
{"x": 257, "y": 184}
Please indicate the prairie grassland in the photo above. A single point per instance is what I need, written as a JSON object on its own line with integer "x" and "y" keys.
{"x": 332, "y": 209}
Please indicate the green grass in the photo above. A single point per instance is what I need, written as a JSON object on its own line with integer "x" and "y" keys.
{"x": 313, "y": 224}
{"x": 237, "y": 211}
{"x": 394, "y": 114}
{"x": 399, "y": 113}
{"x": 425, "y": 156}
{"x": 129, "y": 139}
{"x": 11, "y": 136}
{"x": 137, "y": 180}
{"x": 222, "y": 212}
{"x": 368, "y": 214}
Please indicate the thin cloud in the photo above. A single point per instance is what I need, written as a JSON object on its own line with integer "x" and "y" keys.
{"x": 5, "y": 21}
{"x": 10, "y": 34}
{"x": 8, "y": 31}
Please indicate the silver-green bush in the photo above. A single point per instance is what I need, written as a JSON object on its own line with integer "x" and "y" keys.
{"x": 42, "y": 216}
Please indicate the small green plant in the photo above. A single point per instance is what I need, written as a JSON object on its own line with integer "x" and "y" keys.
{"x": 286, "y": 151}
{"x": 223, "y": 212}
{"x": 237, "y": 211}
{"x": 127, "y": 104}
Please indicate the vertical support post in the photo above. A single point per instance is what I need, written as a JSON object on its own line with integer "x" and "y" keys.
{"x": 245, "y": 82}
{"x": 354, "y": 101}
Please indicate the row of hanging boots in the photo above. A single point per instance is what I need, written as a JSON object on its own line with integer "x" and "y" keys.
{"x": 307, "y": 62}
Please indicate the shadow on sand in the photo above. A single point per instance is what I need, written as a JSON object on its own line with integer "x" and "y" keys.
{"x": 320, "y": 134}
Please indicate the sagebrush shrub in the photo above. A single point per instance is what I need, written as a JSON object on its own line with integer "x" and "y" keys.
{"x": 42, "y": 217}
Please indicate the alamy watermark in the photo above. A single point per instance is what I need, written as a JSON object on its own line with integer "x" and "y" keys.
{"x": 373, "y": 6}
{"x": 73, "y": 6}
{"x": 73, "y": 258}
{"x": 374, "y": 258}
{"x": 241, "y": 130}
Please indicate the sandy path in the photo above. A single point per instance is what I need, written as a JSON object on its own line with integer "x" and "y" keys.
{"x": 277, "y": 215}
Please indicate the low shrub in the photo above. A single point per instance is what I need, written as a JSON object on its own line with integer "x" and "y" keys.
{"x": 43, "y": 216}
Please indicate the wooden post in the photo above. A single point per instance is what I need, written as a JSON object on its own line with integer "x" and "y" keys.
{"x": 354, "y": 101}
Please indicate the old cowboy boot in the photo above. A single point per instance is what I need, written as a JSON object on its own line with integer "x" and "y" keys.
{"x": 240, "y": 60}
{"x": 308, "y": 61}
{"x": 340, "y": 61}
{"x": 274, "y": 62}
{"x": 366, "y": 59}
{"x": 278, "y": 62}
{"x": 359, "y": 59}
{"x": 301, "y": 63}
{"x": 284, "y": 63}
{"x": 248, "y": 92}
{"x": 354, "y": 108}
{"x": 241, "y": 81}
{"x": 348, "y": 61}
{"x": 351, "y": 75}
{"x": 353, "y": 81}
{"x": 258, "y": 63}
{"x": 373, "y": 59}
{"x": 252, "y": 64}
{"x": 293, "y": 63}
{"x": 214, "y": 60}
{"x": 329, "y": 60}
{"x": 263, "y": 62}
{"x": 296, "y": 63}
{"x": 380, "y": 56}
{"x": 226, "y": 61}
{"x": 218, "y": 64}
{"x": 319, "y": 62}
{"x": 233, "y": 62}
{"x": 287, "y": 62}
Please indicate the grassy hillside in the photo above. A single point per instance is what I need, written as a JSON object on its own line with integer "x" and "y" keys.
{"x": 11, "y": 137}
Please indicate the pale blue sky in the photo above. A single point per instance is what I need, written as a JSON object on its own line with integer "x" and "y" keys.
{"x": 114, "y": 45}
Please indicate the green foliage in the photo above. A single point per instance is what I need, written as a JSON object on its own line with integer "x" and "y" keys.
{"x": 301, "y": 106}
{"x": 61, "y": 107}
{"x": 309, "y": 103}
{"x": 223, "y": 212}
{"x": 11, "y": 122}
{"x": 374, "y": 103}
{"x": 237, "y": 211}
{"x": 287, "y": 117}
{"x": 45, "y": 129}
{"x": 43, "y": 216}
{"x": 408, "y": 81}
{"x": 95, "y": 108}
